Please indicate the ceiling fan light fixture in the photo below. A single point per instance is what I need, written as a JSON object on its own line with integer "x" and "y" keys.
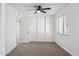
{"x": 38, "y": 11}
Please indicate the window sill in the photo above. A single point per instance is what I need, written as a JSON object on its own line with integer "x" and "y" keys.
{"x": 63, "y": 34}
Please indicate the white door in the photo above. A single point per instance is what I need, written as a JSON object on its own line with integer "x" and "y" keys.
{"x": 25, "y": 30}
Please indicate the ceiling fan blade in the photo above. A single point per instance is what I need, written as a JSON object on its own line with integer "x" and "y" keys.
{"x": 43, "y": 11}
{"x": 45, "y": 8}
{"x": 30, "y": 9}
{"x": 35, "y": 12}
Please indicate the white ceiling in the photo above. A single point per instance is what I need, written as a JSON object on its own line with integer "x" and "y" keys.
{"x": 24, "y": 7}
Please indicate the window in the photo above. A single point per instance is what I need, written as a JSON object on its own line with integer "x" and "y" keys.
{"x": 60, "y": 24}
{"x": 63, "y": 25}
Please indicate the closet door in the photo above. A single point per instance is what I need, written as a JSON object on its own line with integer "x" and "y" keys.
{"x": 41, "y": 28}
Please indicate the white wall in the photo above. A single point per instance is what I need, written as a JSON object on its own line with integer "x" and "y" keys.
{"x": 50, "y": 28}
{"x": 17, "y": 31}
{"x": 2, "y": 29}
{"x": 10, "y": 16}
{"x": 7, "y": 28}
{"x": 37, "y": 28}
{"x": 70, "y": 43}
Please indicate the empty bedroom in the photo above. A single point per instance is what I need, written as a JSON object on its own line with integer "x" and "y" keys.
{"x": 39, "y": 29}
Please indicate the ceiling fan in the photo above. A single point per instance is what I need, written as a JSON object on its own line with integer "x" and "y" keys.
{"x": 40, "y": 9}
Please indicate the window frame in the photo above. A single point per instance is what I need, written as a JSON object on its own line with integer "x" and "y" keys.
{"x": 64, "y": 24}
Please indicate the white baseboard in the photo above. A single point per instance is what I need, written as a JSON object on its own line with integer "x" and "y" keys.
{"x": 10, "y": 50}
{"x": 63, "y": 47}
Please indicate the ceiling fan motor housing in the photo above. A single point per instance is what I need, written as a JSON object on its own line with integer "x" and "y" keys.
{"x": 38, "y": 7}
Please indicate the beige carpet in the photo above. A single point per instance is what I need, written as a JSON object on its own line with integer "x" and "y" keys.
{"x": 38, "y": 49}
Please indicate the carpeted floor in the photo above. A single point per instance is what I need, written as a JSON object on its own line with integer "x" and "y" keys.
{"x": 38, "y": 49}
